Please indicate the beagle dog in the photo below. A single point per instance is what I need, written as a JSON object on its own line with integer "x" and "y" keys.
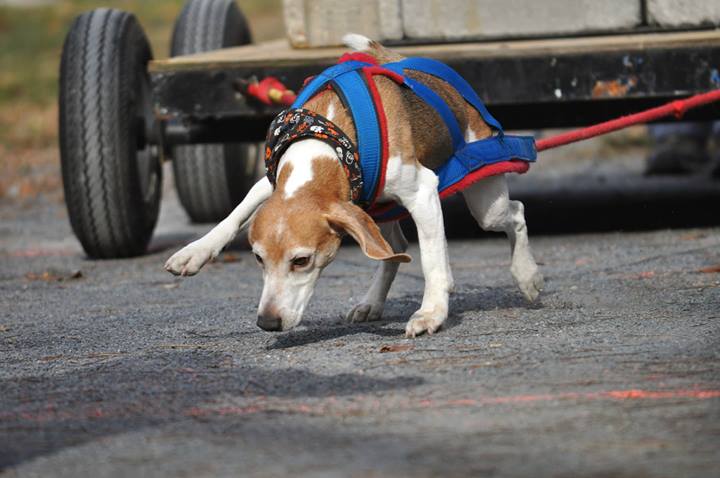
{"x": 296, "y": 224}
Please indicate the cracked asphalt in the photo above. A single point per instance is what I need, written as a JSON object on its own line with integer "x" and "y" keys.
{"x": 116, "y": 368}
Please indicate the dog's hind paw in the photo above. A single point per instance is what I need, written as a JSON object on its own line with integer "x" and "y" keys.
{"x": 532, "y": 286}
{"x": 365, "y": 312}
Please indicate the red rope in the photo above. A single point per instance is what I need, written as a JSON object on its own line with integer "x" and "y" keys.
{"x": 676, "y": 108}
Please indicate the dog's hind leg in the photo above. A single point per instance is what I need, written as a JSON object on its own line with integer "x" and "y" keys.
{"x": 190, "y": 259}
{"x": 371, "y": 307}
{"x": 489, "y": 202}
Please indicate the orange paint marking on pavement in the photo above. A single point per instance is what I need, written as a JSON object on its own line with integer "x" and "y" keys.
{"x": 43, "y": 252}
{"x": 331, "y": 406}
{"x": 633, "y": 394}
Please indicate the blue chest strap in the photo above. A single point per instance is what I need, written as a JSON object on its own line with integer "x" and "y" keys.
{"x": 356, "y": 96}
{"x": 349, "y": 83}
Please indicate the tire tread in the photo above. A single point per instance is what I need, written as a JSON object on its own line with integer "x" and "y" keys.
{"x": 103, "y": 51}
{"x": 209, "y": 178}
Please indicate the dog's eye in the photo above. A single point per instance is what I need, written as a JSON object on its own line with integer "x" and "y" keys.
{"x": 259, "y": 259}
{"x": 300, "y": 261}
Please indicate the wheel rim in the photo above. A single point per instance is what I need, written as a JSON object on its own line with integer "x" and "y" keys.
{"x": 149, "y": 160}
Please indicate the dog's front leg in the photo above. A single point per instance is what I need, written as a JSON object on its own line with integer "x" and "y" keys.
{"x": 423, "y": 204}
{"x": 190, "y": 259}
{"x": 371, "y": 307}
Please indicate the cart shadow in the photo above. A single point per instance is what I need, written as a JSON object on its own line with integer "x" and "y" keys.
{"x": 398, "y": 310}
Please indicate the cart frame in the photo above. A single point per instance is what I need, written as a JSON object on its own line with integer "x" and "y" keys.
{"x": 527, "y": 84}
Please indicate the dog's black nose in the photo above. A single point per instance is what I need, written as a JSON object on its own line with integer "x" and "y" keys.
{"x": 271, "y": 323}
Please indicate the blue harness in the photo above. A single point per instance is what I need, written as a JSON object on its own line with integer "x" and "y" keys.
{"x": 349, "y": 83}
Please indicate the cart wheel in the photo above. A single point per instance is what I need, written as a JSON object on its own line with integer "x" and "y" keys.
{"x": 111, "y": 175}
{"x": 211, "y": 179}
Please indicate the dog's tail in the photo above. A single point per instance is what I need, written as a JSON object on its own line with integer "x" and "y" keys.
{"x": 371, "y": 47}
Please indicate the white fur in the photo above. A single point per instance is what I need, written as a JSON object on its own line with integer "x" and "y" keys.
{"x": 284, "y": 293}
{"x": 415, "y": 187}
{"x": 190, "y": 259}
{"x": 489, "y": 202}
{"x": 470, "y": 135}
{"x": 280, "y": 227}
{"x": 330, "y": 114}
{"x": 400, "y": 179}
{"x": 356, "y": 42}
{"x": 301, "y": 154}
{"x": 422, "y": 201}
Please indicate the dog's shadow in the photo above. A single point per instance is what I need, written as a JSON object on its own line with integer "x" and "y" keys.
{"x": 398, "y": 310}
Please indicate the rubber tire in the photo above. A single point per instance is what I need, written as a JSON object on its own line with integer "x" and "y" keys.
{"x": 211, "y": 179}
{"x": 103, "y": 73}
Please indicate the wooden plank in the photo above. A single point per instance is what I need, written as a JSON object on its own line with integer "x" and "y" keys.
{"x": 278, "y": 53}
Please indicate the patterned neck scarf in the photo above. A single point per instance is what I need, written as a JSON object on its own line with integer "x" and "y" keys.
{"x": 295, "y": 124}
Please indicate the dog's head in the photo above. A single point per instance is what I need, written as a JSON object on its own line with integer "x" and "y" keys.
{"x": 297, "y": 233}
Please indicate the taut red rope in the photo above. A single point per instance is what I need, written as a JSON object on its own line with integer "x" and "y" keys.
{"x": 676, "y": 108}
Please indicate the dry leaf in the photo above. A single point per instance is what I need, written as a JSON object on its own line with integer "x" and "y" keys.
{"x": 646, "y": 275}
{"x": 104, "y": 355}
{"x": 395, "y": 348}
{"x": 50, "y": 358}
{"x": 54, "y": 275}
{"x": 711, "y": 269}
{"x": 230, "y": 257}
{"x": 693, "y": 236}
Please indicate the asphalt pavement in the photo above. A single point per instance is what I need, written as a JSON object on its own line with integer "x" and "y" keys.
{"x": 116, "y": 368}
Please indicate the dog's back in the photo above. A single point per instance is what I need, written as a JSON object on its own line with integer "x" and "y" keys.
{"x": 432, "y": 144}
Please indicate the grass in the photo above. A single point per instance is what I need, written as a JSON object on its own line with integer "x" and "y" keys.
{"x": 31, "y": 41}
{"x": 32, "y": 37}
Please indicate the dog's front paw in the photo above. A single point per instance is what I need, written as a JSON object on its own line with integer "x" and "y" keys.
{"x": 188, "y": 260}
{"x": 531, "y": 283}
{"x": 424, "y": 321}
{"x": 365, "y": 312}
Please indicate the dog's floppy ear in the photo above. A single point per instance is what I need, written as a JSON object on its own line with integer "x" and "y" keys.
{"x": 350, "y": 218}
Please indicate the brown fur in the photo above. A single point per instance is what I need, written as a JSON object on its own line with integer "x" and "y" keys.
{"x": 415, "y": 131}
{"x": 303, "y": 226}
